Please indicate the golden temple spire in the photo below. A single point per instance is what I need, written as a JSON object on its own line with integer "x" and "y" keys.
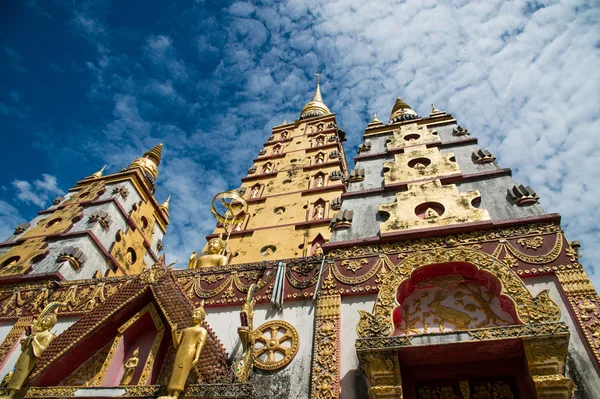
{"x": 316, "y": 106}
{"x": 402, "y": 111}
{"x": 317, "y": 96}
{"x": 149, "y": 162}
{"x": 165, "y": 206}
{"x": 375, "y": 120}
{"x": 155, "y": 154}
{"x": 97, "y": 174}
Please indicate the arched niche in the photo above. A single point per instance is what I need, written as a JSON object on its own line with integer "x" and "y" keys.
{"x": 528, "y": 310}
{"x": 451, "y": 296}
{"x": 316, "y": 245}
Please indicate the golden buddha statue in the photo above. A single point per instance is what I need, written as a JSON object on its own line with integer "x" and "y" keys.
{"x": 130, "y": 366}
{"x": 212, "y": 256}
{"x": 32, "y": 348}
{"x": 189, "y": 343}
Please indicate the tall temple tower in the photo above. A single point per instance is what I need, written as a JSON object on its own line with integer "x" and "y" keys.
{"x": 293, "y": 189}
{"x": 104, "y": 226}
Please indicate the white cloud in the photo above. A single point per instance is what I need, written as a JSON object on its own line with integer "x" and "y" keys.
{"x": 38, "y": 192}
{"x": 9, "y": 219}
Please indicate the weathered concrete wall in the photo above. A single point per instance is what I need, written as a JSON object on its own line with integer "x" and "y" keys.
{"x": 352, "y": 386}
{"x": 365, "y": 222}
{"x": 95, "y": 260}
{"x": 293, "y": 381}
{"x": 493, "y": 199}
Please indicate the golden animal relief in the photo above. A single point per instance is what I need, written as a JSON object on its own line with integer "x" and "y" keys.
{"x": 464, "y": 306}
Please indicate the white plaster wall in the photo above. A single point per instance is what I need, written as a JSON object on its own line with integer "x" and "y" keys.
{"x": 126, "y": 203}
{"x": 349, "y": 361}
{"x": 5, "y": 327}
{"x": 293, "y": 381}
{"x": 580, "y": 365}
{"x": 157, "y": 234}
{"x": 95, "y": 259}
{"x": 105, "y": 236}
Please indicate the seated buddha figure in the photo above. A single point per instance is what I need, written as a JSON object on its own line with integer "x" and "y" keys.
{"x": 213, "y": 256}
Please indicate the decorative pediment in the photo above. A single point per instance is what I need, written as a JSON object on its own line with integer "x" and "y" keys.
{"x": 431, "y": 204}
{"x": 420, "y": 163}
{"x": 140, "y": 314}
{"x": 412, "y": 134}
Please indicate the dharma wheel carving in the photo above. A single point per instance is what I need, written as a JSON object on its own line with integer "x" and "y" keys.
{"x": 276, "y": 346}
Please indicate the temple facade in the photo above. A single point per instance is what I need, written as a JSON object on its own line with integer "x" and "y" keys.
{"x": 425, "y": 272}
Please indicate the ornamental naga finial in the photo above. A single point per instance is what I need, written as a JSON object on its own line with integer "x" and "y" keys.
{"x": 248, "y": 336}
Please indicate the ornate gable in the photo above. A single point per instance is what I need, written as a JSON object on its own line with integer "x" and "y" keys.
{"x": 155, "y": 288}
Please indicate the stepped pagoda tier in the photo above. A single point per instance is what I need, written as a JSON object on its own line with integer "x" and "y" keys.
{"x": 424, "y": 272}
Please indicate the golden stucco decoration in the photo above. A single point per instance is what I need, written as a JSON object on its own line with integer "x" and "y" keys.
{"x": 276, "y": 337}
{"x": 528, "y": 309}
{"x": 19, "y": 258}
{"x": 58, "y": 222}
{"x": 412, "y": 134}
{"x": 142, "y": 215}
{"x": 448, "y": 206}
{"x": 89, "y": 192}
{"x": 325, "y": 378}
{"x": 418, "y": 163}
{"x": 129, "y": 251}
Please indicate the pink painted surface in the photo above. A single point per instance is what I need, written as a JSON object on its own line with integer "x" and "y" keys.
{"x": 140, "y": 334}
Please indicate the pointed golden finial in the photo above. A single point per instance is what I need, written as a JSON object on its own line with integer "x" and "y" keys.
{"x": 402, "y": 111}
{"x": 155, "y": 154}
{"x": 97, "y": 174}
{"x": 149, "y": 162}
{"x": 317, "y": 96}
{"x": 375, "y": 120}
{"x": 165, "y": 206}
{"x": 434, "y": 110}
{"x": 316, "y": 106}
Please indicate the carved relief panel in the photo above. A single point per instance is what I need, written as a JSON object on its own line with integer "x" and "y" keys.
{"x": 409, "y": 135}
{"x": 431, "y": 204}
{"x": 420, "y": 163}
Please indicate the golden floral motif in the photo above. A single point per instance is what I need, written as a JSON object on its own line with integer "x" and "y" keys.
{"x": 531, "y": 242}
{"x": 325, "y": 378}
{"x": 88, "y": 372}
{"x": 538, "y": 259}
{"x": 511, "y": 261}
{"x": 354, "y": 265}
{"x": 424, "y": 244}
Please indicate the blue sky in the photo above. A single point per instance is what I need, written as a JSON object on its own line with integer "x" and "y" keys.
{"x": 89, "y": 83}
